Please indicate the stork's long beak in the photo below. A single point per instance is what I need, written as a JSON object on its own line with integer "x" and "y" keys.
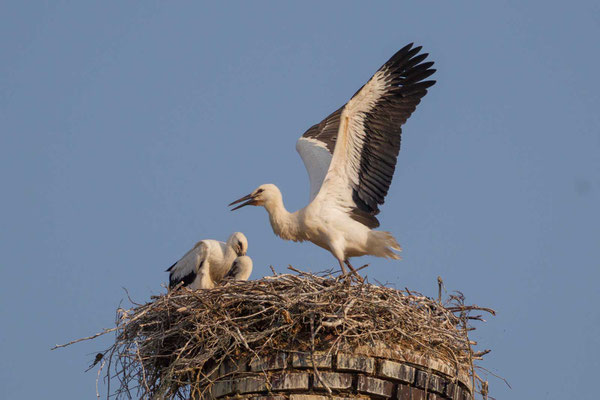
{"x": 250, "y": 202}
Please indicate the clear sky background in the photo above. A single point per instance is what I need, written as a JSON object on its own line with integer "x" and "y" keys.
{"x": 126, "y": 129}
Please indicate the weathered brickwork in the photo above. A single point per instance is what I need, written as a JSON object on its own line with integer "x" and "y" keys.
{"x": 398, "y": 371}
{"x": 333, "y": 380}
{"x": 374, "y": 386}
{"x": 291, "y": 376}
{"x": 305, "y": 360}
{"x": 290, "y": 381}
{"x": 355, "y": 363}
{"x": 277, "y": 361}
{"x": 436, "y": 384}
{"x": 422, "y": 379}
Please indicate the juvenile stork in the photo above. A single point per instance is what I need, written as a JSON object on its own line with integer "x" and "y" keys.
{"x": 240, "y": 269}
{"x": 350, "y": 157}
{"x": 207, "y": 262}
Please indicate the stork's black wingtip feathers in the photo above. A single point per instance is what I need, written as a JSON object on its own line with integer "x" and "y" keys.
{"x": 405, "y": 75}
{"x": 406, "y": 48}
{"x": 171, "y": 267}
{"x": 400, "y": 54}
{"x": 427, "y": 84}
{"x": 405, "y": 58}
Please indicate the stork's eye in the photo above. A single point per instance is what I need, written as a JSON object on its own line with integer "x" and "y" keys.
{"x": 240, "y": 248}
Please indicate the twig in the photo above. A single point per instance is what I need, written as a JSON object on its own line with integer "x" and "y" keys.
{"x": 312, "y": 354}
{"x": 104, "y": 332}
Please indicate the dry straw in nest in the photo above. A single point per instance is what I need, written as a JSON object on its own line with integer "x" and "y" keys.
{"x": 184, "y": 335}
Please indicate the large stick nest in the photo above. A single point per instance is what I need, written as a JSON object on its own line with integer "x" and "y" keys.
{"x": 163, "y": 346}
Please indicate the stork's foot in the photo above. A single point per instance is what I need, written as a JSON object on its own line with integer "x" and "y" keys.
{"x": 354, "y": 272}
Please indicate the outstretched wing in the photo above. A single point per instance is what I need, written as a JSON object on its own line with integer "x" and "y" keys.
{"x": 186, "y": 269}
{"x": 368, "y": 137}
{"x": 316, "y": 148}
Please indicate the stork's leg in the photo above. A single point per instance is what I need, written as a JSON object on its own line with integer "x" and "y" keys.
{"x": 344, "y": 272}
{"x": 354, "y": 271}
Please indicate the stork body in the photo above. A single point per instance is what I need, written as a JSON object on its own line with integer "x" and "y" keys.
{"x": 240, "y": 269}
{"x": 350, "y": 158}
{"x": 207, "y": 262}
{"x": 326, "y": 224}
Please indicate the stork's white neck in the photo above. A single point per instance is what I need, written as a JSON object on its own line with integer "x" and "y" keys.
{"x": 230, "y": 254}
{"x": 284, "y": 223}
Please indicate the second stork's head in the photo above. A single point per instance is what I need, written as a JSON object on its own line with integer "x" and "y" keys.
{"x": 264, "y": 195}
{"x": 241, "y": 268}
{"x": 238, "y": 242}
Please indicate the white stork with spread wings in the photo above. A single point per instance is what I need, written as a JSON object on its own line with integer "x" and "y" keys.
{"x": 207, "y": 262}
{"x": 350, "y": 158}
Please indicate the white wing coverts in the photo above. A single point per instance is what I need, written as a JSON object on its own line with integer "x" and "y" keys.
{"x": 363, "y": 137}
{"x": 189, "y": 268}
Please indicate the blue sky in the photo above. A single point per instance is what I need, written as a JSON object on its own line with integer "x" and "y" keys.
{"x": 126, "y": 128}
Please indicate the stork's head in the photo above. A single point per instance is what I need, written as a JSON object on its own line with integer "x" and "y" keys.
{"x": 239, "y": 243}
{"x": 241, "y": 268}
{"x": 261, "y": 196}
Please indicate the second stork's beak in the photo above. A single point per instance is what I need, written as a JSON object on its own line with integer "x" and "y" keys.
{"x": 250, "y": 202}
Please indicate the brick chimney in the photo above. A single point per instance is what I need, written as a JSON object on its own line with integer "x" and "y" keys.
{"x": 365, "y": 373}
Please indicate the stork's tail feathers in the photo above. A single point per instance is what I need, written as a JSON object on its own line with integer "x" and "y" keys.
{"x": 384, "y": 243}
